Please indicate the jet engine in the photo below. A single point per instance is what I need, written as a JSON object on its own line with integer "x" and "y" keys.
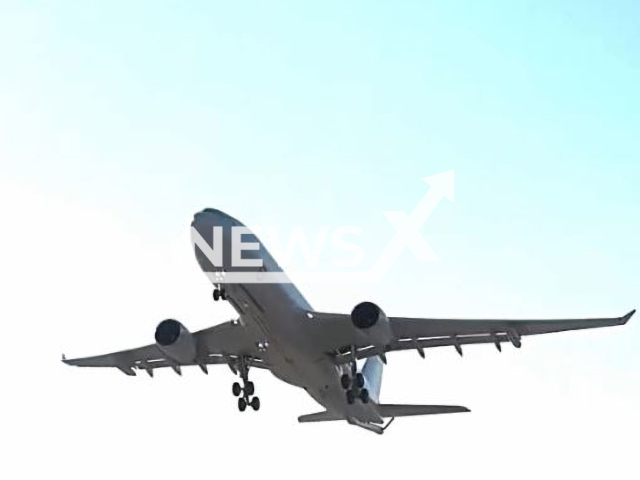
{"x": 373, "y": 323}
{"x": 176, "y": 341}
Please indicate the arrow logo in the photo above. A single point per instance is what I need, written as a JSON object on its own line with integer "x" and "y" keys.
{"x": 408, "y": 227}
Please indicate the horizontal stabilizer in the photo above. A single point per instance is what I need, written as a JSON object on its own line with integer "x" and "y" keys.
{"x": 319, "y": 417}
{"x": 389, "y": 410}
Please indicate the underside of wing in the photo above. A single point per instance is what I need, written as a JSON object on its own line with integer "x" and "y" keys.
{"x": 222, "y": 344}
{"x": 125, "y": 360}
{"x": 337, "y": 334}
{"x": 416, "y": 327}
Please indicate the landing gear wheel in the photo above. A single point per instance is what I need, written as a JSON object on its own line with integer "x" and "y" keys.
{"x": 345, "y": 381}
{"x": 223, "y": 294}
{"x": 364, "y": 395}
{"x": 242, "y": 404}
{"x": 216, "y": 295}
{"x": 249, "y": 388}
{"x": 255, "y": 403}
{"x": 350, "y": 397}
{"x": 236, "y": 389}
{"x": 359, "y": 380}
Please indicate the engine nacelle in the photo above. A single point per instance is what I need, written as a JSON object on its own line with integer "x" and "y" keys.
{"x": 373, "y": 323}
{"x": 176, "y": 341}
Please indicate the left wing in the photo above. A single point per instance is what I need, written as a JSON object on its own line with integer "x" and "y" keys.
{"x": 221, "y": 344}
{"x": 337, "y": 335}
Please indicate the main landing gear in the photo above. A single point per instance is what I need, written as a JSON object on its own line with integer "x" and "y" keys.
{"x": 354, "y": 386}
{"x": 219, "y": 294}
{"x": 246, "y": 390}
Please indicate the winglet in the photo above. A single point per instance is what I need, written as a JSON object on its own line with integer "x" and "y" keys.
{"x": 626, "y": 318}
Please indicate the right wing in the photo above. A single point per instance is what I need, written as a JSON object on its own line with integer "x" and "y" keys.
{"x": 221, "y": 344}
{"x": 336, "y": 333}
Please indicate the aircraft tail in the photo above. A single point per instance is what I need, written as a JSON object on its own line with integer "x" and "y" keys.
{"x": 387, "y": 410}
{"x": 384, "y": 411}
{"x": 372, "y": 372}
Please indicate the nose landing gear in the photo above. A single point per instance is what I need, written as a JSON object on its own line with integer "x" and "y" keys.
{"x": 219, "y": 294}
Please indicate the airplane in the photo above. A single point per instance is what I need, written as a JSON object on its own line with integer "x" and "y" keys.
{"x": 277, "y": 330}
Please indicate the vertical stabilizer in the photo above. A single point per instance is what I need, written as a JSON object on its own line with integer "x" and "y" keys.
{"x": 372, "y": 372}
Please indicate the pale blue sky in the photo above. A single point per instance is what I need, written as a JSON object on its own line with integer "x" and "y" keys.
{"x": 330, "y": 114}
{"x": 138, "y": 114}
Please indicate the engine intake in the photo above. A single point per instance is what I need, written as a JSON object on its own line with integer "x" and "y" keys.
{"x": 175, "y": 341}
{"x": 373, "y": 323}
{"x": 167, "y": 332}
{"x": 366, "y": 315}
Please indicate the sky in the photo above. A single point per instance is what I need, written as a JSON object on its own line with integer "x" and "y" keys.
{"x": 119, "y": 120}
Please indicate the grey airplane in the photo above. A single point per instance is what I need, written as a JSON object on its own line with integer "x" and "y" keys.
{"x": 277, "y": 330}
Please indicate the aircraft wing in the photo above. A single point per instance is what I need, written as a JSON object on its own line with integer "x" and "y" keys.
{"x": 221, "y": 344}
{"x": 336, "y": 333}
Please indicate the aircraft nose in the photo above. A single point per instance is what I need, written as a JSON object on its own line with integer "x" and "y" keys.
{"x": 211, "y": 211}
{"x": 210, "y": 217}
{"x": 203, "y": 225}
{"x": 207, "y": 217}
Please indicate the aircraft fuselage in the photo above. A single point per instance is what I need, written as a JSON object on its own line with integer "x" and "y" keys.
{"x": 277, "y": 316}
